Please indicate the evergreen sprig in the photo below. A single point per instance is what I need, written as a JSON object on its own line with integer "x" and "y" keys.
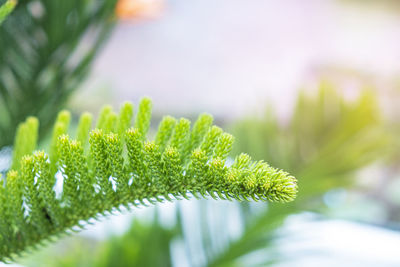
{"x": 116, "y": 166}
{"x": 47, "y": 49}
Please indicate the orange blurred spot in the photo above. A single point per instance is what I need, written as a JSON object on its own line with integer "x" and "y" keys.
{"x": 131, "y": 9}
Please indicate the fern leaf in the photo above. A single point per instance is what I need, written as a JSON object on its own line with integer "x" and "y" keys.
{"x": 116, "y": 165}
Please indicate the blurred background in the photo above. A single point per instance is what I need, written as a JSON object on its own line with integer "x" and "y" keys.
{"x": 312, "y": 87}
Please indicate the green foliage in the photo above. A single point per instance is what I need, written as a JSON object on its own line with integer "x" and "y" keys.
{"x": 6, "y": 9}
{"x": 132, "y": 249}
{"x": 144, "y": 244}
{"x": 327, "y": 140}
{"x": 120, "y": 167}
{"x": 26, "y": 138}
{"x": 43, "y": 59}
{"x": 327, "y": 137}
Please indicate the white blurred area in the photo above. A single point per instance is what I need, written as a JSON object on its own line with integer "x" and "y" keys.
{"x": 332, "y": 243}
{"x": 230, "y": 57}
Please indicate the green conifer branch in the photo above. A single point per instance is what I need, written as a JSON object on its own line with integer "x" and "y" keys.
{"x": 116, "y": 166}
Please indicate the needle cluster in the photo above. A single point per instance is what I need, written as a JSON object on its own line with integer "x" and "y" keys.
{"x": 115, "y": 165}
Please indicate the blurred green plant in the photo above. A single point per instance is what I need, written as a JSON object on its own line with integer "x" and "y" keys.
{"x": 46, "y": 51}
{"x": 327, "y": 140}
{"x": 115, "y": 166}
{"x": 6, "y": 9}
{"x": 388, "y": 5}
{"x": 132, "y": 249}
{"x": 144, "y": 244}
